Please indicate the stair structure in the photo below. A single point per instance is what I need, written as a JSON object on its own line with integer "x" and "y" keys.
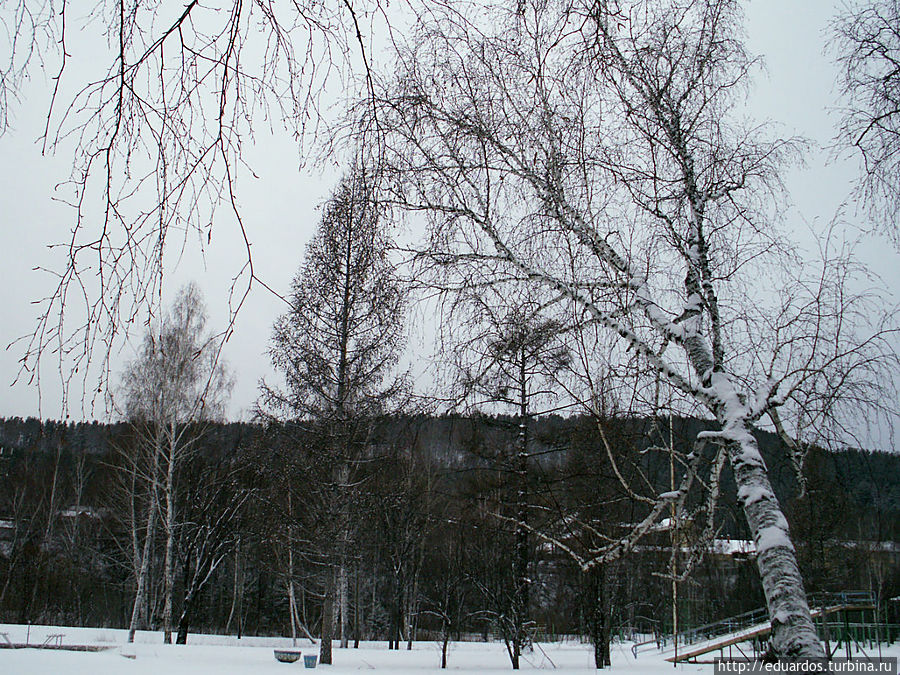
{"x": 747, "y": 634}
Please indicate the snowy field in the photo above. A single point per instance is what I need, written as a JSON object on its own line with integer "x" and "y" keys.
{"x": 224, "y": 655}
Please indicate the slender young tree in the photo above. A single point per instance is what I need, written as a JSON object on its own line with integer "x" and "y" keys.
{"x": 507, "y": 354}
{"x": 337, "y": 349}
{"x": 176, "y": 383}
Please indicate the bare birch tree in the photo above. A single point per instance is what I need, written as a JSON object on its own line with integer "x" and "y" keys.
{"x": 595, "y": 149}
{"x": 174, "y": 384}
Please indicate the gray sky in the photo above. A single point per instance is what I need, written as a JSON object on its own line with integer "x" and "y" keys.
{"x": 280, "y": 206}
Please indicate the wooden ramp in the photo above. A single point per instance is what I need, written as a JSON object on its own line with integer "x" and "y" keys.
{"x": 693, "y": 651}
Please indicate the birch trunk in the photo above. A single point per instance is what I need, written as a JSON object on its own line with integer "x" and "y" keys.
{"x": 170, "y": 539}
{"x": 793, "y": 631}
{"x": 343, "y": 587}
{"x": 292, "y": 601}
{"x": 140, "y": 594}
{"x": 292, "y": 608}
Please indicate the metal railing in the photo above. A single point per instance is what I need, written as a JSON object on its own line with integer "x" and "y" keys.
{"x": 756, "y": 617}
{"x": 842, "y": 598}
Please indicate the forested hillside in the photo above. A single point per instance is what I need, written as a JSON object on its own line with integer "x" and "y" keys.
{"x": 431, "y": 523}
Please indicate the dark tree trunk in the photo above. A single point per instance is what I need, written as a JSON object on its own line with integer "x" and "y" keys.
{"x": 357, "y": 609}
{"x": 185, "y": 619}
{"x": 596, "y": 615}
{"x": 396, "y": 614}
{"x": 183, "y": 625}
{"x": 327, "y": 621}
{"x": 445, "y": 626}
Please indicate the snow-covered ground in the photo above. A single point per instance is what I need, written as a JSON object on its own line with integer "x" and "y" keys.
{"x": 224, "y": 655}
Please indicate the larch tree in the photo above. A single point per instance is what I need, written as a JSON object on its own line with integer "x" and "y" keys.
{"x": 337, "y": 349}
{"x": 595, "y": 149}
{"x": 175, "y": 384}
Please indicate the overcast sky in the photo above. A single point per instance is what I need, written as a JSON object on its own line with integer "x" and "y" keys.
{"x": 280, "y": 206}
